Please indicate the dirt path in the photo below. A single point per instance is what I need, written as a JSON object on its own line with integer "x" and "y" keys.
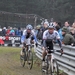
{"x": 10, "y": 65}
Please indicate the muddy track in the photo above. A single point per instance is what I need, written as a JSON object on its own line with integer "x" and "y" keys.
{"x": 9, "y": 65}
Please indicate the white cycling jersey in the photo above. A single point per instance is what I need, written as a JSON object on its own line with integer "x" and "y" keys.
{"x": 25, "y": 32}
{"x": 27, "y": 40}
{"x": 47, "y": 35}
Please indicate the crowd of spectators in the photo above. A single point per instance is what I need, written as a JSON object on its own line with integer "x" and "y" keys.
{"x": 11, "y": 31}
{"x": 66, "y": 31}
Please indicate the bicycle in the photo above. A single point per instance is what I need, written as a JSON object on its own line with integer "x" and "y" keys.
{"x": 27, "y": 57}
{"x": 51, "y": 65}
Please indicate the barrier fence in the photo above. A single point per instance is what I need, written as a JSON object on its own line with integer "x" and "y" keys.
{"x": 66, "y": 62}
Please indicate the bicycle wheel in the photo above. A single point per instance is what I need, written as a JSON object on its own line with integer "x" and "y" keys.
{"x": 43, "y": 69}
{"x": 30, "y": 59}
{"x": 55, "y": 67}
{"x": 44, "y": 72}
{"x": 47, "y": 66}
{"x": 23, "y": 59}
{"x": 51, "y": 68}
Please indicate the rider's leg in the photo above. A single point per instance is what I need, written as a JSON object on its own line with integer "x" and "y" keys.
{"x": 43, "y": 55}
{"x": 23, "y": 48}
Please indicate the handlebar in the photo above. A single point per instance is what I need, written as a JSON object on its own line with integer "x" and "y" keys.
{"x": 52, "y": 51}
{"x": 61, "y": 51}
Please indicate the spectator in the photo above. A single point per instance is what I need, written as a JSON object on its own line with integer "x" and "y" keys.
{"x": 67, "y": 24}
{"x": 59, "y": 31}
{"x": 55, "y": 23}
{"x": 4, "y": 31}
{"x": 73, "y": 26}
{"x": 12, "y": 31}
{"x": 41, "y": 30}
{"x": 72, "y": 32}
{"x": 38, "y": 32}
{"x": 8, "y": 31}
{"x": 45, "y": 25}
{"x": 68, "y": 39}
{"x": 18, "y": 32}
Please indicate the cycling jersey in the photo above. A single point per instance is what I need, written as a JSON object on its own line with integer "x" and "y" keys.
{"x": 53, "y": 36}
{"x": 32, "y": 34}
{"x": 47, "y": 35}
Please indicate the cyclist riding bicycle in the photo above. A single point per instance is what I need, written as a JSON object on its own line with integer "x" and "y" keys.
{"x": 28, "y": 37}
{"x": 48, "y": 38}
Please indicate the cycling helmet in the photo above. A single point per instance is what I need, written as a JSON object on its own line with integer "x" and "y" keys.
{"x": 51, "y": 25}
{"x": 29, "y": 27}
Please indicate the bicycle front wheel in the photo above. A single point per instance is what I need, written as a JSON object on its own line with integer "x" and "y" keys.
{"x": 55, "y": 67}
{"x": 30, "y": 60}
{"x": 23, "y": 59}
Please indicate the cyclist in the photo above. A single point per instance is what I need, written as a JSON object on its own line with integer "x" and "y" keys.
{"x": 28, "y": 37}
{"x": 48, "y": 37}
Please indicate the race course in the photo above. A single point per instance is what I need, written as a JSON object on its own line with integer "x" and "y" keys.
{"x": 10, "y": 63}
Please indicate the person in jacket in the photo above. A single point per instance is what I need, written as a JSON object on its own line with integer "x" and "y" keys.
{"x": 68, "y": 39}
{"x": 59, "y": 31}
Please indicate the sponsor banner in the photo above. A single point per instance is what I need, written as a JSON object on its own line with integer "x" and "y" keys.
{"x": 10, "y": 38}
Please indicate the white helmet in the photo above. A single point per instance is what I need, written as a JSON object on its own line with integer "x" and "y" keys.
{"x": 51, "y": 25}
{"x": 29, "y": 27}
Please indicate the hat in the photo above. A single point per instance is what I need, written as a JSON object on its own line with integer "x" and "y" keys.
{"x": 38, "y": 26}
{"x": 64, "y": 29}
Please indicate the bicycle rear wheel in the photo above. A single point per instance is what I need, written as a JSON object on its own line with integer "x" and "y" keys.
{"x": 23, "y": 59}
{"x": 30, "y": 59}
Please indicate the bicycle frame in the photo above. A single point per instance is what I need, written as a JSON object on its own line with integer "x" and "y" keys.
{"x": 28, "y": 56}
{"x": 51, "y": 63}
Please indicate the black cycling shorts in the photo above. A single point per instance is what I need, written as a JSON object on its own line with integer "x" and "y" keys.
{"x": 49, "y": 44}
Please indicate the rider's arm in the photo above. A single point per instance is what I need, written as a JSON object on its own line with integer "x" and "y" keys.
{"x": 35, "y": 38}
{"x": 23, "y": 38}
{"x": 58, "y": 39}
{"x": 44, "y": 39}
{"x": 59, "y": 42}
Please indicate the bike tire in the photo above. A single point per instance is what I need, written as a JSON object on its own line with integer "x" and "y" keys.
{"x": 30, "y": 59}
{"x": 51, "y": 68}
{"x": 44, "y": 69}
{"x": 55, "y": 67}
{"x": 47, "y": 67}
{"x": 23, "y": 59}
{"x": 44, "y": 73}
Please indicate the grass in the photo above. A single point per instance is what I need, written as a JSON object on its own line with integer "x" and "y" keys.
{"x": 10, "y": 63}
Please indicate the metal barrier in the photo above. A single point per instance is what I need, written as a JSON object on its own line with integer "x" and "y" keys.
{"x": 66, "y": 61}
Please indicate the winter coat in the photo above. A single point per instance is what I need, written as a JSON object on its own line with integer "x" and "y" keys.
{"x": 68, "y": 39}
